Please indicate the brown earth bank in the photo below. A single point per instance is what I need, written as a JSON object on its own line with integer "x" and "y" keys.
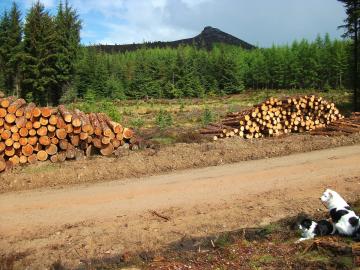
{"x": 169, "y": 158}
{"x": 80, "y": 225}
{"x": 268, "y": 247}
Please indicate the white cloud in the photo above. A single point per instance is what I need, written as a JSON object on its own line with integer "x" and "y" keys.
{"x": 46, "y": 3}
{"x": 127, "y": 34}
{"x": 193, "y": 3}
{"x": 256, "y": 21}
{"x": 131, "y": 21}
{"x": 88, "y": 34}
{"x": 105, "y": 7}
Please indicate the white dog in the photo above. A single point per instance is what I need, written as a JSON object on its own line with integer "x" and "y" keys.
{"x": 332, "y": 199}
{"x": 346, "y": 222}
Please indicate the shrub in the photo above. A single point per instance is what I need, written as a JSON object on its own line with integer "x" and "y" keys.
{"x": 163, "y": 119}
{"x": 104, "y": 106}
{"x": 70, "y": 95}
{"x": 115, "y": 88}
{"x": 137, "y": 122}
{"x": 110, "y": 109}
{"x": 207, "y": 117}
{"x": 90, "y": 96}
{"x": 182, "y": 105}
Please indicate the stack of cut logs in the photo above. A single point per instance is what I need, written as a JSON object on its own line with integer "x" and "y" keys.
{"x": 29, "y": 133}
{"x": 275, "y": 117}
{"x": 343, "y": 126}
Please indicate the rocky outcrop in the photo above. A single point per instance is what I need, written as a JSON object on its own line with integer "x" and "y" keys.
{"x": 206, "y": 39}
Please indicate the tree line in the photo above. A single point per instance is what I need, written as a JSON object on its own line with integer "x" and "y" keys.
{"x": 38, "y": 57}
{"x": 189, "y": 72}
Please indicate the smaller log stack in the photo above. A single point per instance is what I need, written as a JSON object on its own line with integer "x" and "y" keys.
{"x": 343, "y": 126}
{"x": 29, "y": 133}
{"x": 275, "y": 117}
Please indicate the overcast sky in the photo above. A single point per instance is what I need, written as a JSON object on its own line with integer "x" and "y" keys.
{"x": 260, "y": 22}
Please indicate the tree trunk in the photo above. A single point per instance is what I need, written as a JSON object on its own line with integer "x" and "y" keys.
{"x": 356, "y": 67}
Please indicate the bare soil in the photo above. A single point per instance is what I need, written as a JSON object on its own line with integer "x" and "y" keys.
{"x": 77, "y": 224}
{"x": 164, "y": 159}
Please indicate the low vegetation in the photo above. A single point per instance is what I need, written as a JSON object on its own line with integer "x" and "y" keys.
{"x": 173, "y": 117}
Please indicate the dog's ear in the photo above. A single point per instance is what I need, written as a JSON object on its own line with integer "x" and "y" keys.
{"x": 306, "y": 223}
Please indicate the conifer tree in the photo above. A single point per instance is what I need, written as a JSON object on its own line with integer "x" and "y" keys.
{"x": 4, "y": 48}
{"x": 40, "y": 56}
{"x": 352, "y": 26}
{"x": 15, "y": 43}
{"x": 10, "y": 49}
{"x": 227, "y": 74}
{"x": 339, "y": 64}
{"x": 68, "y": 27}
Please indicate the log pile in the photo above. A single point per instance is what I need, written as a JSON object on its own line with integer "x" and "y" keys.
{"x": 29, "y": 133}
{"x": 343, "y": 126}
{"x": 275, "y": 117}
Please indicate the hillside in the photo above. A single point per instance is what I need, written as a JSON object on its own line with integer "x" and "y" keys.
{"x": 206, "y": 39}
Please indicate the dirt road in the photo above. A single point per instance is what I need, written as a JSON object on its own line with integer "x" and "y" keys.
{"x": 104, "y": 219}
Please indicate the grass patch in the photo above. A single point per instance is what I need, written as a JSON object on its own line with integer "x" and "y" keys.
{"x": 258, "y": 261}
{"x": 41, "y": 168}
{"x": 344, "y": 262}
{"x": 224, "y": 240}
{"x": 165, "y": 140}
{"x": 326, "y": 259}
{"x": 314, "y": 256}
{"x": 272, "y": 228}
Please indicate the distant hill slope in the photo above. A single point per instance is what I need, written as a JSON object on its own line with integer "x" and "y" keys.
{"x": 206, "y": 39}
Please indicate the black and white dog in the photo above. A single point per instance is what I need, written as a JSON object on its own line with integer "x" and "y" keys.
{"x": 310, "y": 229}
{"x": 345, "y": 221}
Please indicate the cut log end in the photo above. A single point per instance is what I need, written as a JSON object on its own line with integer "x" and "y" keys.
{"x": 42, "y": 155}
{"x": 29, "y": 133}
{"x": 107, "y": 150}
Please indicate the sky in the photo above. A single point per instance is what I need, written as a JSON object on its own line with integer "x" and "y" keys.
{"x": 259, "y": 22}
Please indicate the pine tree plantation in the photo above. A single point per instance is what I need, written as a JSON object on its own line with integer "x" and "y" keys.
{"x": 190, "y": 72}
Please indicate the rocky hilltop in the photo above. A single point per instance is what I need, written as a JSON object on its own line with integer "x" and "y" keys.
{"x": 206, "y": 39}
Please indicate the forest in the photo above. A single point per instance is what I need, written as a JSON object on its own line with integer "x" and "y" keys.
{"x": 42, "y": 60}
{"x": 38, "y": 55}
{"x": 190, "y": 72}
